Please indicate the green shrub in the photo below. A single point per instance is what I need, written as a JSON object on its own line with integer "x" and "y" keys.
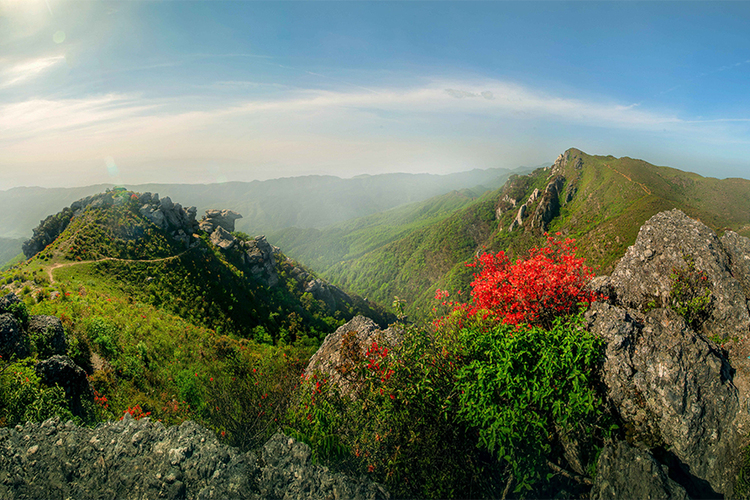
{"x": 522, "y": 388}
{"x": 690, "y": 293}
{"x": 102, "y": 334}
{"x": 24, "y": 398}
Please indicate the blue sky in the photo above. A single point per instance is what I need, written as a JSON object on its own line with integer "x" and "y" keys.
{"x": 174, "y": 91}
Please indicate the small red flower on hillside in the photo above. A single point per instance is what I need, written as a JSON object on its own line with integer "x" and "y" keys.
{"x": 137, "y": 412}
{"x": 550, "y": 282}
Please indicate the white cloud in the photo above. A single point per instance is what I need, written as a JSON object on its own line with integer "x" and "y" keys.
{"x": 22, "y": 72}
{"x": 441, "y": 126}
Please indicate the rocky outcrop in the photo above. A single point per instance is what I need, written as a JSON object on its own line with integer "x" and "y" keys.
{"x": 620, "y": 473}
{"x": 51, "y": 330}
{"x": 259, "y": 257}
{"x": 222, "y": 238}
{"x": 63, "y": 372}
{"x": 683, "y": 399}
{"x": 47, "y": 231}
{"x": 14, "y": 341}
{"x": 549, "y": 206}
{"x": 663, "y": 243}
{"x": 738, "y": 250}
{"x": 137, "y": 459}
{"x": 335, "y": 359}
{"x": 167, "y": 215}
{"x": 219, "y": 218}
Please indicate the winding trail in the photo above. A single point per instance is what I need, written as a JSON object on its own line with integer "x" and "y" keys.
{"x": 643, "y": 186}
{"x": 68, "y": 264}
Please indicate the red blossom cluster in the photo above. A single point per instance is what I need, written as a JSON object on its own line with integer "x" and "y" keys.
{"x": 375, "y": 354}
{"x": 100, "y": 399}
{"x": 136, "y": 412}
{"x": 549, "y": 283}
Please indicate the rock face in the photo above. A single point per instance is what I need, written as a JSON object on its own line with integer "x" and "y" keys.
{"x": 549, "y": 206}
{"x": 219, "y": 218}
{"x": 62, "y": 371}
{"x": 137, "y": 459}
{"x": 14, "y": 341}
{"x": 620, "y": 472}
{"x": 643, "y": 274}
{"x": 675, "y": 389}
{"x": 50, "y": 328}
{"x": 340, "y": 349}
{"x": 167, "y": 215}
{"x": 259, "y": 257}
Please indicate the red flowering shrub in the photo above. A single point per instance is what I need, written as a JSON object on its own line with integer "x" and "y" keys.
{"x": 549, "y": 283}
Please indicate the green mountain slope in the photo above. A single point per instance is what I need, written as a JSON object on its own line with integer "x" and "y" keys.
{"x": 178, "y": 321}
{"x": 323, "y": 248}
{"x": 600, "y": 201}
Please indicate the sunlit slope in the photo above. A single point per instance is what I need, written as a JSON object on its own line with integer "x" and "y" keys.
{"x": 323, "y": 248}
{"x": 603, "y": 201}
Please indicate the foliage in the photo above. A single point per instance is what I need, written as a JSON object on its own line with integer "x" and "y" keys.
{"x": 690, "y": 293}
{"x": 24, "y": 398}
{"x": 523, "y": 387}
{"x": 548, "y": 284}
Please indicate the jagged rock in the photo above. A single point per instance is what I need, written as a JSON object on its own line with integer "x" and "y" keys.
{"x": 13, "y": 341}
{"x": 336, "y": 357}
{"x": 738, "y": 250}
{"x": 50, "y": 328}
{"x": 549, "y": 206}
{"x": 625, "y": 472}
{"x": 674, "y": 388}
{"x": 222, "y": 238}
{"x": 259, "y": 256}
{"x": 138, "y": 459}
{"x": 643, "y": 274}
{"x": 47, "y": 231}
{"x": 62, "y": 371}
{"x": 219, "y": 218}
{"x": 534, "y": 196}
{"x": 332, "y": 295}
{"x": 288, "y": 474}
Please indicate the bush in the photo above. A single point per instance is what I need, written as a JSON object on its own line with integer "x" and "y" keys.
{"x": 525, "y": 388}
{"x": 690, "y": 294}
{"x": 548, "y": 284}
{"x": 24, "y": 398}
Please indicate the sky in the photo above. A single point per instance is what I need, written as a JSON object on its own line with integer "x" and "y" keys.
{"x": 209, "y": 91}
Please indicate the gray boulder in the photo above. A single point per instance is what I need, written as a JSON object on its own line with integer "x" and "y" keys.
{"x": 51, "y": 329}
{"x": 222, "y": 238}
{"x": 674, "y": 387}
{"x": 13, "y": 341}
{"x": 738, "y": 250}
{"x": 219, "y": 218}
{"x": 625, "y": 472}
{"x": 643, "y": 274}
{"x": 340, "y": 351}
{"x": 62, "y": 371}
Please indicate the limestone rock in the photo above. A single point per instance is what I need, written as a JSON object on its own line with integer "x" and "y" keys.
{"x": 137, "y": 459}
{"x": 738, "y": 250}
{"x": 627, "y": 472}
{"x": 219, "y": 218}
{"x": 222, "y": 238}
{"x": 672, "y": 388}
{"x": 643, "y": 274}
{"x": 336, "y": 357}
{"x": 549, "y": 206}
{"x": 13, "y": 342}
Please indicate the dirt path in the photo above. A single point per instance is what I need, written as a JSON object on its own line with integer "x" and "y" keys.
{"x": 643, "y": 186}
{"x": 67, "y": 264}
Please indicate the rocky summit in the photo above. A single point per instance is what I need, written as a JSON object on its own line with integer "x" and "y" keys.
{"x": 681, "y": 389}
{"x": 141, "y": 459}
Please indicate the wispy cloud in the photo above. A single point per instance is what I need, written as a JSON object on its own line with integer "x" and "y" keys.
{"x": 22, "y": 72}
{"x": 441, "y": 126}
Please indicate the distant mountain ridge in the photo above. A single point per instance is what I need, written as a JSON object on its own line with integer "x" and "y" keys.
{"x": 308, "y": 201}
